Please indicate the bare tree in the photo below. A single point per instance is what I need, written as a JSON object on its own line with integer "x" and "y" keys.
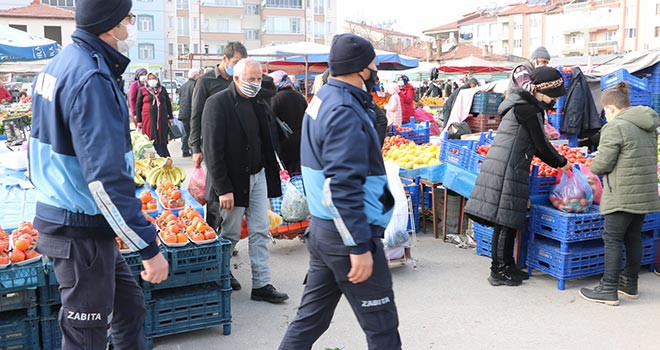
{"x": 369, "y": 32}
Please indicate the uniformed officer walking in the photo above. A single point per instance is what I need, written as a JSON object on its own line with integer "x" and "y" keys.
{"x": 350, "y": 202}
{"x": 81, "y": 162}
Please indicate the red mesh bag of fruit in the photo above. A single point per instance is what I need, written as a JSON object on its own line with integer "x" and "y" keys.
{"x": 572, "y": 194}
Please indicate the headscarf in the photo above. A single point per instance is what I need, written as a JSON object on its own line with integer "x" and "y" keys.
{"x": 405, "y": 79}
{"x": 281, "y": 79}
{"x": 393, "y": 88}
{"x": 139, "y": 72}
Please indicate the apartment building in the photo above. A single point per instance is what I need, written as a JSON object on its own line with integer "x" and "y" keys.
{"x": 565, "y": 28}
{"x": 149, "y": 52}
{"x": 206, "y": 26}
{"x": 42, "y": 20}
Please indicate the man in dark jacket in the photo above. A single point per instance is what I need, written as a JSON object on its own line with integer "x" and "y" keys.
{"x": 581, "y": 114}
{"x": 81, "y": 162}
{"x": 185, "y": 108}
{"x": 350, "y": 203}
{"x": 500, "y": 195}
{"x": 242, "y": 170}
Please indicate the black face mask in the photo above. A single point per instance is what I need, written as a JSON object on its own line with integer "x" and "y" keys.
{"x": 369, "y": 83}
{"x": 548, "y": 106}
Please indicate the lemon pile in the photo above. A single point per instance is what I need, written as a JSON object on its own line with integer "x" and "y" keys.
{"x": 413, "y": 156}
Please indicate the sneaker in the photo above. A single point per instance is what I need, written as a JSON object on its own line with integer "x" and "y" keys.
{"x": 235, "y": 285}
{"x": 514, "y": 270}
{"x": 501, "y": 277}
{"x": 268, "y": 293}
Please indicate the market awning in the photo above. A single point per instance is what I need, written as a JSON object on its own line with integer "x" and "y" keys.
{"x": 17, "y": 45}
{"x": 472, "y": 65}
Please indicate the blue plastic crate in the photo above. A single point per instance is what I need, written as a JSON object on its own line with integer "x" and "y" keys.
{"x": 16, "y": 300}
{"x": 566, "y": 75}
{"x": 19, "y": 330}
{"x": 555, "y": 119}
{"x": 413, "y": 189}
{"x": 610, "y": 80}
{"x": 540, "y": 185}
{"x": 572, "y": 139}
{"x": 50, "y": 331}
{"x": 483, "y": 235}
{"x": 420, "y": 133}
{"x": 458, "y": 152}
{"x": 641, "y": 98}
{"x": 16, "y": 278}
{"x": 486, "y": 102}
{"x": 566, "y": 227}
{"x": 188, "y": 309}
{"x": 212, "y": 266}
{"x": 651, "y": 222}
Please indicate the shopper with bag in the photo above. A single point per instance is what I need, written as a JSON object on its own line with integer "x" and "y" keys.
{"x": 81, "y": 163}
{"x": 501, "y": 193}
{"x": 627, "y": 158}
{"x": 154, "y": 113}
{"x": 289, "y": 106}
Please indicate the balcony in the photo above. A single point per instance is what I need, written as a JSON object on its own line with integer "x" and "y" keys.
{"x": 283, "y": 4}
{"x": 604, "y": 43}
{"x": 222, "y": 3}
{"x": 576, "y": 6}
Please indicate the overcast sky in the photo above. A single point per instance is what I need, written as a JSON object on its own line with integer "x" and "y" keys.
{"x": 411, "y": 16}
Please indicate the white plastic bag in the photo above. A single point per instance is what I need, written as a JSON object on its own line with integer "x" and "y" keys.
{"x": 294, "y": 204}
{"x": 396, "y": 233}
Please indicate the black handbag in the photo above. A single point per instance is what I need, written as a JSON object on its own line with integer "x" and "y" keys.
{"x": 283, "y": 129}
{"x": 175, "y": 132}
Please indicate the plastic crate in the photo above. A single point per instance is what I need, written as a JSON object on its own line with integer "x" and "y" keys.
{"x": 22, "y": 299}
{"x": 188, "y": 309}
{"x": 555, "y": 119}
{"x": 50, "y": 331}
{"x": 610, "y": 80}
{"x": 566, "y": 227}
{"x": 17, "y": 278}
{"x": 486, "y": 102}
{"x": 540, "y": 185}
{"x": 19, "y": 330}
{"x": 572, "y": 139}
{"x": 483, "y": 235}
{"x": 651, "y": 222}
{"x": 212, "y": 267}
{"x": 412, "y": 190}
{"x": 641, "y": 98}
{"x": 484, "y": 122}
{"x": 458, "y": 152}
{"x": 420, "y": 133}
{"x": 134, "y": 262}
{"x": 560, "y": 105}
{"x": 566, "y": 74}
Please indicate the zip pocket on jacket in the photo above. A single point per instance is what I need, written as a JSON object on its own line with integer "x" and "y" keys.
{"x": 607, "y": 176}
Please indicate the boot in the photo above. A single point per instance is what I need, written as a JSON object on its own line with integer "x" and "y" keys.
{"x": 514, "y": 270}
{"x": 268, "y": 293}
{"x": 235, "y": 284}
{"x": 628, "y": 286}
{"x": 500, "y": 276}
{"x": 605, "y": 293}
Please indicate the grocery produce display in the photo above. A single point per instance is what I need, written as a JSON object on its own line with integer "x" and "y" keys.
{"x": 380, "y": 99}
{"x": 188, "y": 226}
{"x": 4, "y": 248}
{"x": 24, "y": 242}
{"x": 149, "y": 203}
{"x": 166, "y": 173}
{"x": 574, "y": 155}
{"x": 170, "y": 195}
{"x": 142, "y": 147}
{"x": 410, "y": 155}
{"x": 431, "y": 101}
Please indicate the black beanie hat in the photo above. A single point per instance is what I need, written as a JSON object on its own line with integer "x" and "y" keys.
{"x": 350, "y": 53}
{"x": 548, "y": 81}
{"x": 99, "y": 16}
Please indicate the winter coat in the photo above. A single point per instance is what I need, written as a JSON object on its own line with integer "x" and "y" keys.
{"x": 501, "y": 192}
{"x": 393, "y": 106}
{"x": 581, "y": 113}
{"x": 381, "y": 122}
{"x": 226, "y": 148}
{"x": 290, "y": 105}
{"x": 154, "y": 112}
{"x": 407, "y": 95}
{"x": 185, "y": 100}
{"x": 5, "y": 96}
{"x": 627, "y": 157}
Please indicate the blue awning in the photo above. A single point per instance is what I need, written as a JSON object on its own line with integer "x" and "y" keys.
{"x": 17, "y": 45}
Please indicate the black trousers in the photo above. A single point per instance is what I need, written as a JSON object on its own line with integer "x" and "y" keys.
{"x": 95, "y": 283}
{"x": 185, "y": 147}
{"x": 502, "y": 246}
{"x": 161, "y": 149}
{"x": 372, "y": 301}
{"x": 622, "y": 229}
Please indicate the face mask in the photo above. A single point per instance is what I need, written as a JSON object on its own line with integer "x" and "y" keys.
{"x": 250, "y": 89}
{"x": 369, "y": 83}
{"x": 143, "y": 79}
{"x": 229, "y": 69}
{"x": 125, "y": 45}
{"x": 152, "y": 83}
{"x": 401, "y": 83}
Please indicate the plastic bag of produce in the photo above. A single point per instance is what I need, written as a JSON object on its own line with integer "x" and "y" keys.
{"x": 396, "y": 232}
{"x": 294, "y": 204}
{"x": 573, "y": 194}
{"x": 197, "y": 185}
{"x": 594, "y": 182}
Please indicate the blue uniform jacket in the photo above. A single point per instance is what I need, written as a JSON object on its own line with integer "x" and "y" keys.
{"x": 342, "y": 165}
{"x": 81, "y": 159}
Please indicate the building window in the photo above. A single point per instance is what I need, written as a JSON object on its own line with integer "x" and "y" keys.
{"x": 285, "y": 4}
{"x": 145, "y": 23}
{"x": 60, "y": 3}
{"x": 283, "y": 25}
{"x": 657, "y": 32}
{"x": 183, "y": 49}
{"x": 318, "y": 8}
{"x": 517, "y": 43}
{"x": 182, "y": 26}
{"x": 171, "y": 49}
{"x": 657, "y": 9}
{"x": 252, "y": 9}
{"x": 170, "y": 22}
{"x": 53, "y": 33}
{"x": 19, "y": 27}
{"x": 631, "y": 32}
{"x": 146, "y": 51}
{"x": 182, "y": 5}
{"x": 319, "y": 30}
{"x": 328, "y": 27}
{"x": 610, "y": 36}
{"x": 252, "y": 34}
{"x": 220, "y": 49}
{"x": 195, "y": 23}
{"x": 195, "y": 48}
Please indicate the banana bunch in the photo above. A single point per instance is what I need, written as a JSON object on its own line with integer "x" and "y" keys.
{"x": 166, "y": 172}
{"x": 139, "y": 181}
{"x": 144, "y": 166}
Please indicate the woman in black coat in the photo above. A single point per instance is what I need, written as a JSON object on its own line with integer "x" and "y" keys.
{"x": 289, "y": 105}
{"x": 500, "y": 195}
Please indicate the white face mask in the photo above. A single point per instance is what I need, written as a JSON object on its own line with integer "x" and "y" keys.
{"x": 125, "y": 45}
{"x": 249, "y": 89}
{"x": 152, "y": 83}
{"x": 143, "y": 79}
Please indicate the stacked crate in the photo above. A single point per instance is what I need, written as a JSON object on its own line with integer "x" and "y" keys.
{"x": 569, "y": 245}
{"x": 483, "y": 235}
{"x": 641, "y": 93}
{"x": 19, "y": 316}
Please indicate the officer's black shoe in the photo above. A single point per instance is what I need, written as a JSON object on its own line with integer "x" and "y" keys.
{"x": 268, "y": 293}
{"x": 604, "y": 293}
{"x": 235, "y": 285}
{"x": 499, "y": 276}
{"x": 515, "y": 271}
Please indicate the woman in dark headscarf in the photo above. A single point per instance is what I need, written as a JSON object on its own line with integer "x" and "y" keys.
{"x": 140, "y": 80}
